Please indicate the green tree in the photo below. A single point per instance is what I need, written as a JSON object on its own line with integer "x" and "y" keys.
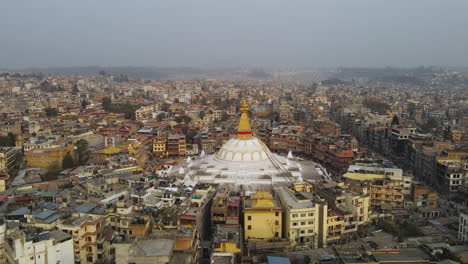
{"x": 8, "y": 140}
{"x": 51, "y": 173}
{"x": 201, "y": 114}
{"x": 67, "y": 161}
{"x": 50, "y": 112}
{"x": 161, "y": 116}
{"x": 106, "y": 103}
{"x": 165, "y": 107}
{"x": 224, "y": 116}
{"x": 395, "y": 120}
{"x": 82, "y": 151}
{"x": 75, "y": 89}
{"x": 430, "y": 125}
{"x": 411, "y": 109}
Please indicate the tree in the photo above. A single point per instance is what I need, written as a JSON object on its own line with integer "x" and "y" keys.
{"x": 430, "y": 124}
{"x": 50, "y": 112}
{"x": 201, "y": 114}
{"x": 224, "y": 116}
{"x": 51, "y": 173}
{"x": 82, "y": 151}
{"x": 8, "y": 141}
{"x": 75, "y": 89}
{"x": 448, "y": 133}
{"x": 106, "y": 103}
{"x": 165, "y": 107}
{"x": 395, "y": 120}
{"x": 161, "y": 116}
{"x": 67, "y": 161}
{"x": 411, "y": 109}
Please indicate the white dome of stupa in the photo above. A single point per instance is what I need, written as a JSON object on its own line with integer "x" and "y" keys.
{"x": 235, "y": 149}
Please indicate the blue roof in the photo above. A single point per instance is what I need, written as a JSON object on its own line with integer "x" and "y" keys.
{"x": 47, "y": 205}
{"x": 52, "y": 218}
{"x": 85, "y": 208}
{"x": 44, "y": 214}
{"x": 19, "y": 212}
{"x": 278, "y": 260}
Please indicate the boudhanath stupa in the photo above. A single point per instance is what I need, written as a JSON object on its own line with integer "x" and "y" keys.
{"x": 244, "y": 160}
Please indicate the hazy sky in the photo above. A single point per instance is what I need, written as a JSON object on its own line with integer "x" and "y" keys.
{"x": 228, "y": 33}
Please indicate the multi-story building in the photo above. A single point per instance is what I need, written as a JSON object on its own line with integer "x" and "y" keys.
{"x": 2, "y": 241}
{"x": 463, "y": 227}
{"x": 91, "y": 239}
{"x": 225, "y": 208}
{"x": 452, "y": 173}
{"x": 47, "y": 247}
{"x": 48, "y": 157}
{"x": 262, "y": 217}
{"x": 385, "y": 186}
{"x": 227, "y": 243}
{"x": 13, "y": 127}
{"x": 304, "y": 219}
{"x": 7, "y": 159}
{"x": 348, "y": 210}
{"x": 423, "y": 196}
{"x": 4, "y": 181}
{"x": 159, "y": 146}
{"x": 176, "y": 145}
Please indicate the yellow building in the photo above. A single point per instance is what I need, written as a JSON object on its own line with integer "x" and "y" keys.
{"x": 227, "y": 240}
{"x": 262, "y": 217}
{"x": 159, "y": 146}
{"x": 47, "y": 158}
{"x": 304, "y": 218}
{"x": 382, "y": 185}
{"x": 335, "y": 226}
{"x": 91, "y": 240}
{"x": 3, "y": 182}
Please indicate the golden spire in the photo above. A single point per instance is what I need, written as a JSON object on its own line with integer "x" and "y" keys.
{"x": 244, "y": 131}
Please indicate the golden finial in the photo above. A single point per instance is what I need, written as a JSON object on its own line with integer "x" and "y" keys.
{"x": 244, "y": 131}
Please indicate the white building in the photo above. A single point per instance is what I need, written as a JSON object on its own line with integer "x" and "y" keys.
{"x": 463, "y": 227}
{"x": 45, "y": 248}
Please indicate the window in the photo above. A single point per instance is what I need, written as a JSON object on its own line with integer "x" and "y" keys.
{"x": 276, "y": 214}
{"x": 276, "y": 222}
{"x": 309, "y": 222}
{"x": 303, "y": 223}
{"x": 276, "y": 234}
{"x": 249, "y": 217}
{"x": 310, "y": 214}
{"x": 294, "y": 223}
{"x": 303, "y": 215}
{"x": 294, "y": 215}
{"x": 249, "y": 227}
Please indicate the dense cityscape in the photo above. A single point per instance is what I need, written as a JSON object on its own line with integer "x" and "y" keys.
{"x": 350, "y": 165}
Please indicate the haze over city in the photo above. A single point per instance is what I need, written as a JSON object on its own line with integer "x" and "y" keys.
{"x": 209, "y": 33}
{"x": 234, "y": 132}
